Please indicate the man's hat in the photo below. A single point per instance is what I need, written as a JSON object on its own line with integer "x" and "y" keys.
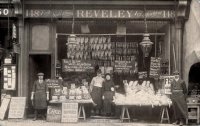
{"x": 40, "y": 74}
{"x": 176, "y": 73}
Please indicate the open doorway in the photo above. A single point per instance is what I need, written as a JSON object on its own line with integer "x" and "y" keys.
{"x": 38, "y": 63}
{"x": 194, "y": 79}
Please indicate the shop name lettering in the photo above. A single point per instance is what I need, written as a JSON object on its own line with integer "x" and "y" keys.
{"x": 124, "y": 14}
{"x": 100, "y": 13}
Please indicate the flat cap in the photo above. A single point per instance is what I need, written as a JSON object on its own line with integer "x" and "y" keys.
{"x": 176, "y": 73}
{"x": 40, "y": 74}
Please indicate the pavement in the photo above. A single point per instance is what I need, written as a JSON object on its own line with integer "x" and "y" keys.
{"x": 92, "y": 122}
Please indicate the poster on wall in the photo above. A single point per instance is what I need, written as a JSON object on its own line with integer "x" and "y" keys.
{"x": 17, "y": 108}
{"x": 69, "y": 112}
{"x": 155, "y": 64}
{"x": 9, "y": 77}
{"x": 166, "y": 82}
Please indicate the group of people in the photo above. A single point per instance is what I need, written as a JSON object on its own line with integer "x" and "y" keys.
{"x": 102, "y": 90}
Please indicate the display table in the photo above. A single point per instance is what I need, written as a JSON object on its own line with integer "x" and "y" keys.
{"x": 81, "y": 110}
{"x": 126, "y": 116}
{"x": 196, "y": 116}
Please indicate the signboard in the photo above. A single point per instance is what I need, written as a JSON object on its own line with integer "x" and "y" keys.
{"x": 4, "y": 107}
{"x": 9, "y": 75}
{"x": 100, "y": 13}
{"x": 166, "y": 82}
{"x": 53, "y": 83}
{"x": 155, "y": 67}
{"x": 4, "y": 12}
{"x": 54, "y": 113}
{"x": 17, "y": 108}
{"x": 77, "y": 66}
{"x": 69, "y": 112}
{"x": 122, "y": 66}
{"x": 142, "y": 74}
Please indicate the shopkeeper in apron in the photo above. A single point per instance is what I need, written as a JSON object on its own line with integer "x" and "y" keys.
{"x": 179, "y": 94}
{"x": 96, "y": 92}
{"x": 40, "y": 96}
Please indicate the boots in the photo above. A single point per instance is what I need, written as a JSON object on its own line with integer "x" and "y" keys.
{"x": 35, "y": 114}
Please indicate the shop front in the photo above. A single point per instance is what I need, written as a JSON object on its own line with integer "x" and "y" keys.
{"x": 138, "y": 44}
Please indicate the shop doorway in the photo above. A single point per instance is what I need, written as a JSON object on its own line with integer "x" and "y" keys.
{"x": 38, "y": 63}
{"x": 194, "y": 79}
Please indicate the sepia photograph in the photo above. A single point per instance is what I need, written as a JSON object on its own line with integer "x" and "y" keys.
{"x": 99, "y": 62}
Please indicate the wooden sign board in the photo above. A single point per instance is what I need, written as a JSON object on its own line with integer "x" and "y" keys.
{"x": 155, "y": 67}
{"x": 4, "y": 107}
{"x": 100, "y": 13}
{"x": 9, "y": 75}
{"x": 77, "y": 66}
{"x": 166, "y": 82}
{"x": 54, "y": 113}
{"x": 69, "y": 112}
{"x": 53, "y": 83}
{"x": 17, "y": 108}
{"x": 123, "y": 66}
{"x": 142, "y": 74}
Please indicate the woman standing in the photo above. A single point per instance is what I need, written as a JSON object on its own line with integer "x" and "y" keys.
{"x": 108, "y": 95}
{"x": 40, "y": 96}
{"x": 96, "y": 91}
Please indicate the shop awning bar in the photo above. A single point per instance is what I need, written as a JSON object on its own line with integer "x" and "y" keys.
{"x": 104, "y": 2}
{"x": 133, "y": 34}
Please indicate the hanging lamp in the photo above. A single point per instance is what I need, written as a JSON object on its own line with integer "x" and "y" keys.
{"x": 72, "y": 37}
{"x": 146, "y": 43}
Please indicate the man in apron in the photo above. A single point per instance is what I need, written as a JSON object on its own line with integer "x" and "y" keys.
{"x": 40, "y": 96}
{"x": 179, "y": 94}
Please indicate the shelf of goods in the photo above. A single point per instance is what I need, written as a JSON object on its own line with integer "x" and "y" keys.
{"x": 76, "y": 95}
{"x": 141, "y": 95}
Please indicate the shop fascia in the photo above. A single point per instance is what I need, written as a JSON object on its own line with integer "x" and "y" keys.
{"x": 100, "y": 13}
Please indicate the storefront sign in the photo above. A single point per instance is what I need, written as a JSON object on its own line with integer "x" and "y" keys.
{"x": 17, "y": 108}
{"x": 76, "y": 66}
{"x": 69, "y": 112}
{"x": 100, "y": 13}
{"x": 155, "y": 67}
{"x": 53, "y": 83}
{"x": 54, "y": 113}
{"x": 4, "y": 12}
{"x": 45, "y": 13}
{"x": 166, "y": 82}
{"x": 9, "y": 75}
{"x": 124, "y": 13}
{"x": 121, "y": 66}
{"x": 142, "y": 74}
{"x": 4, "y": 107}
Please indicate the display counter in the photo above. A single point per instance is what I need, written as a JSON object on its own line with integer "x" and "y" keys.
{"x": 81, "y": 104}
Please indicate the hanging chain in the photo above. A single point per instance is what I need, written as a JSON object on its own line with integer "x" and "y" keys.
{"x": 145, "y": 19}
{"x": 73, "y": 18}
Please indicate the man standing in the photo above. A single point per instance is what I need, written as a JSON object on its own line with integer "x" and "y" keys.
{"x": 179, "y": 94}
{"x": 40, "y": 95}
